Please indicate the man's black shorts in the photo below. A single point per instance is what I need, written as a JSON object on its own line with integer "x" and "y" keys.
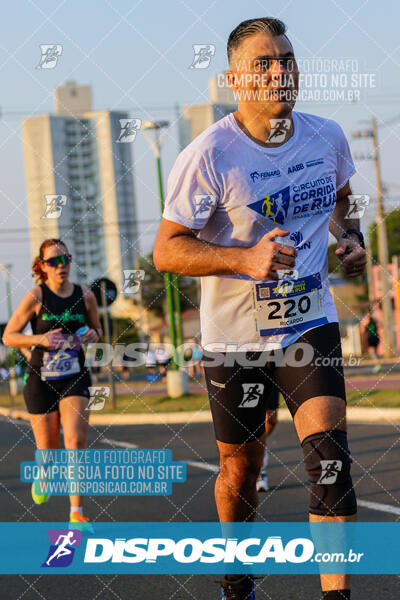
{"x": 239, "y": 392}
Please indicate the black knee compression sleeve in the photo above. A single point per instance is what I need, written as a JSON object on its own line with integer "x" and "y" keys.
{"x": 327, "y": 461}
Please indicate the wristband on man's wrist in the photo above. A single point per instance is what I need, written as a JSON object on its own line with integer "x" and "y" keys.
{"x": 358, "y": 233}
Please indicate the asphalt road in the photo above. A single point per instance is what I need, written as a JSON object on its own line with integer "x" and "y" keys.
{"x": 375, "y": 473}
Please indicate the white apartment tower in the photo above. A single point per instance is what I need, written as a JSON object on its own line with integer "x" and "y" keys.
{"x": 197, "y": 117}
{"x": 74, "y": 161}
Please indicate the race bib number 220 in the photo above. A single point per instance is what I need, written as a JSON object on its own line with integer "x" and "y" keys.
{"x": 289, "y": 306}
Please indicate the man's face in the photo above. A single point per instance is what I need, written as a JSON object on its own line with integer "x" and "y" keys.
{"x": 264, "y": 73}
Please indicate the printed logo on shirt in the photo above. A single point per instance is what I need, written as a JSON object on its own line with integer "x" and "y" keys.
{"x": 299, "y": 242}
{"x": 255, "y": 175}
{"x": 315, "y": 162}
{"x": 314, "y": 197}
{"x": 64, "y": 317}
{"x": 273, "y": 207}
{"x": 252, "y": 393}
{"x": 294, "y": 168}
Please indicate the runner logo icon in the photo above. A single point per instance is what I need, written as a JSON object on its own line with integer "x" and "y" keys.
{"x": 279, "y": 130}
{"x": 129, "y": 129}
{"x": 330, "y": 471}
{"x": 50, "y": 55}
{"x": 273, "y": 206}
{"x": 54, "y": 205}
{"x": 252, "y": 393}
{"x": 202, "y": 55}
{"x": 98, "y": 397}
{"x": 132, "y": 279}
{"x": 357, "y": 205}
{"x": 286, "y": 281}
{"x": 204, "y": 204}
{"x": 62, "y": 547}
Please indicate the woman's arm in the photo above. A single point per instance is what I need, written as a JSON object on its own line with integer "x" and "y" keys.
{"x": 26, "y": 353}
{"x": 13, "y": 335}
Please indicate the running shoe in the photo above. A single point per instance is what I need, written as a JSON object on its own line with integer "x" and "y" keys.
{"x": 80, "y": 522}
{"x": 38, "y": 498}
{"x": 238, "y": 589}
{"x": 262, "y": 481}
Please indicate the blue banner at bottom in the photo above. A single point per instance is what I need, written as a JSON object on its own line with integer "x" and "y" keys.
{"x": 200, "y": 548}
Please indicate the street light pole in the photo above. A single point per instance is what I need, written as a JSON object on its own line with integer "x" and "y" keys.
{"x": 170, "y": 281}
{"x": 382, "y": 251}
{"x": 177, "y": 379}
{"x": 175, "y": 282}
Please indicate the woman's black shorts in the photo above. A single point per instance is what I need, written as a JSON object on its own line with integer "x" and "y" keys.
{"x": 239, "y": 389}
{"x": 43, "y": 396}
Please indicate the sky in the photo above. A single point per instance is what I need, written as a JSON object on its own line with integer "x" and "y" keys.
{"x": 136, "y": 57}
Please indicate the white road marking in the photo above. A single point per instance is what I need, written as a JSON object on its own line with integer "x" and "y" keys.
{"x": 394, "y": 510}
{"x": 118, "y": 443}
{"x": 202, "y": 465}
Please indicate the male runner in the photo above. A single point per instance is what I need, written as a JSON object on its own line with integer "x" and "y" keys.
{"x": 261, "y": 190}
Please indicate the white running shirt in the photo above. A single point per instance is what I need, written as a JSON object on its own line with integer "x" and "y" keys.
{"x": 234, "y": 191}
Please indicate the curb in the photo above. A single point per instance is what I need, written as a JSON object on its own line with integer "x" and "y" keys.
{"x": 355, "y": 414}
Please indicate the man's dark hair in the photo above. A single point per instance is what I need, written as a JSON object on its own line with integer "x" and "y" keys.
{"x": 247, "y": 28}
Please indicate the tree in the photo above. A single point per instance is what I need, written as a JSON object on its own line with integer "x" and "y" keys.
{"x": 392, "y": 221}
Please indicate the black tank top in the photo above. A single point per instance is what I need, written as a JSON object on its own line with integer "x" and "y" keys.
{"x": 69, "y": 313}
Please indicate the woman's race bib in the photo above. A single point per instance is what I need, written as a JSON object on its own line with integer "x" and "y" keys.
{"x": 288, "y": 306}
{"x": 59, "y": 364}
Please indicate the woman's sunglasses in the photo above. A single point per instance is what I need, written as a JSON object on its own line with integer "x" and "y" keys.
{"x": 54, "y": 261}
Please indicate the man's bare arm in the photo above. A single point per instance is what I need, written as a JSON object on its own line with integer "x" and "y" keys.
{"x": 178, "y": 250}
{"x": 339, "y": 223}
{"x": 348, "y": 251}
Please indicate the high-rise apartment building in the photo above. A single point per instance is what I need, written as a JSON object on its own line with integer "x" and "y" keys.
{"x": 79, "y": 182}
{"x": 197, "y": 117}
